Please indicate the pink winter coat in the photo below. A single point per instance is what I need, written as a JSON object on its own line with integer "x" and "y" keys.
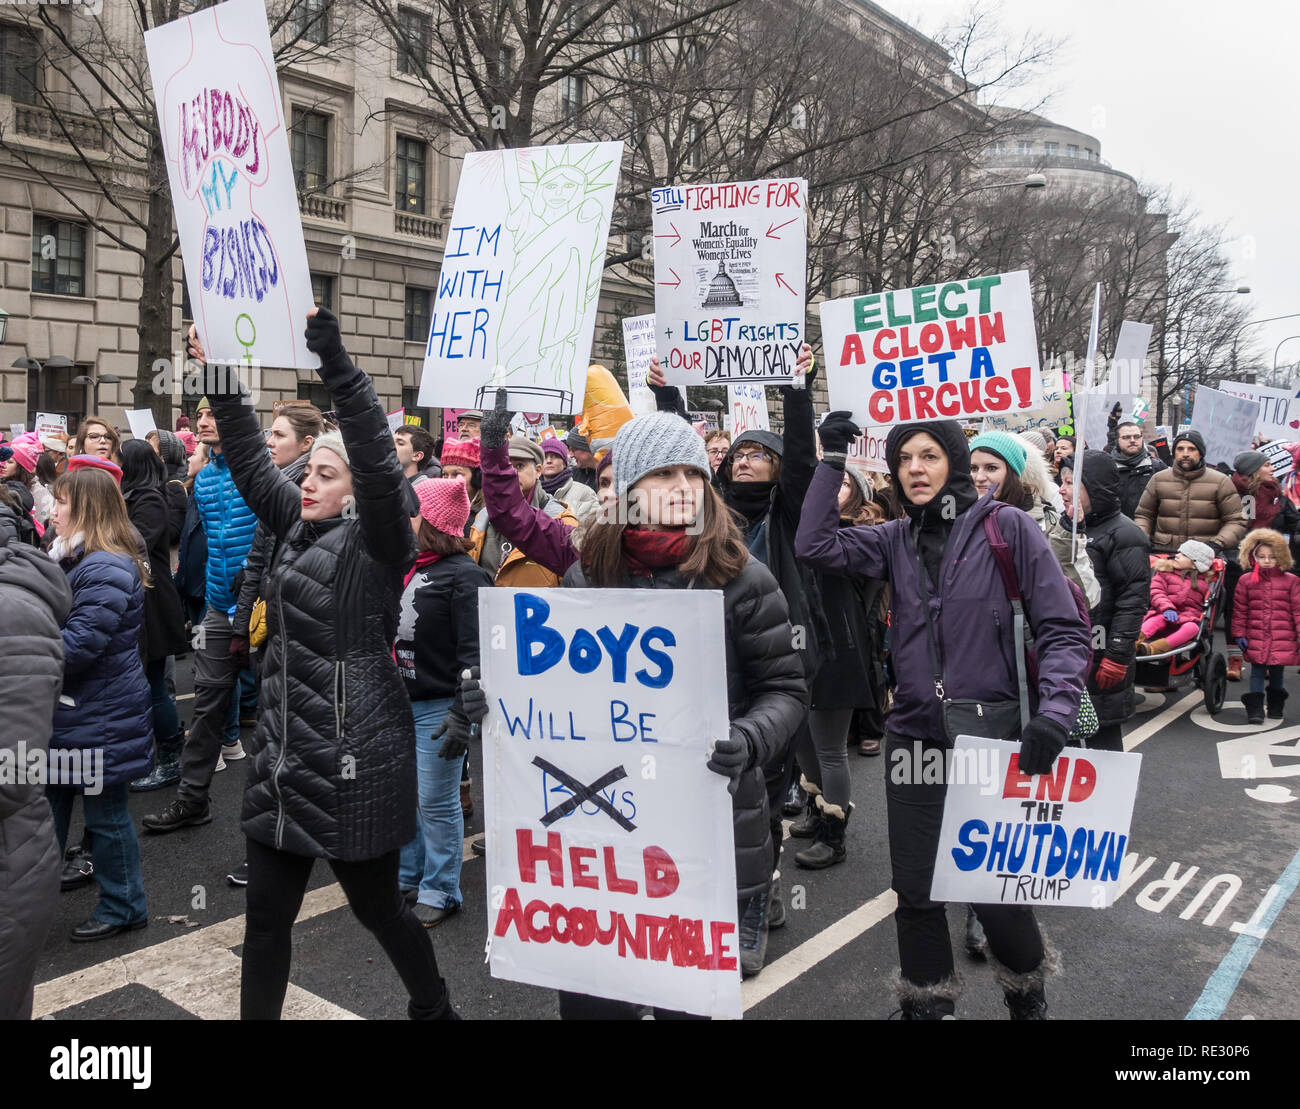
{"x": 1267, "y": 612}
{"x": 1169, "y": 589}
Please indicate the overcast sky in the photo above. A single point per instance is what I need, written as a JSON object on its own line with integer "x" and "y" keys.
{"x": 1197, "y": 94}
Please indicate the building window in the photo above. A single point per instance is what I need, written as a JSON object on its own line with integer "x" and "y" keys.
{"x": 310, "y": 149}
{"x": 51, "y": 390}
{"x": 1024, "y": 147}
{"x": 412, "y": 41}
{"x": 638, "y": 52}
{"x": 1071, "y": 151}
{"x": 694, "y": 144}
{"x": 412, "y": 155}
{"x": 417, "y": 314}
{"x": 411, "y": 403}
{"x": 58, "y": 257}
{"x": 573, "y": 95}
{"x": 322, "y": 291}
{"x": 19, "y": 49}
{"x": 635, "y": 126}
{"x": 311, "y": 21}
{"x": 313, "y": 392}
{"x": 506, "y": 64}
{"x": 1051, "y": 149}
{"x": 574, "y": 17}
{"x": 999, "y": 147}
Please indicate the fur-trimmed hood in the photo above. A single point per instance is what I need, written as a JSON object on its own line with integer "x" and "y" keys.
{"x": 1281, "y": 551}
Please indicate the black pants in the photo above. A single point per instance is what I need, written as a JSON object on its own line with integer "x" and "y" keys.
{"x": 580, "y": 1006}
{"x": 1109, "y": 737}
{"x": 277, "y": 882}
{"x": 924, "y": 948}
{"x": 778, "y": 774}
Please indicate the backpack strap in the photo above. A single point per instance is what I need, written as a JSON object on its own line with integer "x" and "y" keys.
{"x": 1026, "y": 663}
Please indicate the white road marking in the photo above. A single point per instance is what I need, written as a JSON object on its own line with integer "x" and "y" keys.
{"x": 825, "y": 943}
{"x": 1163, "y": 720}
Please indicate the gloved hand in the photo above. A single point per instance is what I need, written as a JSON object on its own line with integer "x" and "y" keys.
{"x": 837, "y": 432}
{"x": 323, "y": 338}
{"x": 473, "y": 701}
{"x": 1170, "y": 614}
{"x": 1110, "y": 673}
{"x": 1242, "y": 642}
{"x": 729, "y": 757}
{"x": 495, "y": 428}
{"x": 455, "y": 734}
{"x": 1040, "y": 742}
{"x": 239, "y": 650}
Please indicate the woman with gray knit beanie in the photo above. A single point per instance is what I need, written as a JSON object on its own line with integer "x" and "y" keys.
{"x": 671, "y": 530}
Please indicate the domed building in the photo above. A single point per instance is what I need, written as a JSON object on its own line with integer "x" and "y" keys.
{"x": 722, "y": 290}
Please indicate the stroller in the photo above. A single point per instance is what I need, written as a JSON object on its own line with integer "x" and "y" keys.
{"x": 1196, "y": 660}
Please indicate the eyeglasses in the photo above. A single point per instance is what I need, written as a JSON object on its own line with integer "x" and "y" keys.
{"x": 96, "y": 437}
{"x": 717, "y": 452}
{"x": 751, "y": 457}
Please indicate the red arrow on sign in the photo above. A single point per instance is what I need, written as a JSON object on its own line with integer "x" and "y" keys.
{"x": 786, "y": 284}
{"x": 676, "y": 236}
{"x": 673, "y": 284}
{"x": 778, "y": 227}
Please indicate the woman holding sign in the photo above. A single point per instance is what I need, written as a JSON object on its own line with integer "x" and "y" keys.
{"x": 688, "y": 540}
{"x": 333, "y": 772}
{"x": 952, "y": 646}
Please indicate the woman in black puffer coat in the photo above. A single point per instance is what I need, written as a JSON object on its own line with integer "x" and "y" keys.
{"x": 1120, "y": 554}
{"x": 333, "y": 773}
{"x": 766, "y": 689}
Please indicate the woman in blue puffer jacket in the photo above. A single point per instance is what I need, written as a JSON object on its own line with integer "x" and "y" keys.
{"x": 103, "y": 728}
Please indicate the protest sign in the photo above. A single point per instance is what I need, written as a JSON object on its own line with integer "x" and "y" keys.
{"x": 638, "y": 350}
{"x": 1093, "y": 408}
{"x": 704, "y": 422}
{"x": 449, "y": 417}
{"x": 232, "y": 184}
{"x": 140, "y": 421}
{"x": 49, "y": 423}
{"x": 960, "y": 350}
{"x": 396, "y": 419}
{"x": 520, "y": 279}
{"x": 410, "y": 420}
{"x": 747, "y": 405}
{"x": 730, "y": 262}
{"x": 1226, "y": 422}
{"x": 1279, "y": 411}
{"x": 1052, "y": 413}
{"x": 1280, "y": 458}
{"x": 1009, "y": 838}
{"x": 1130, "y": 358}
{"x": 611, "y": 866}
{"x": 868, "y": 450}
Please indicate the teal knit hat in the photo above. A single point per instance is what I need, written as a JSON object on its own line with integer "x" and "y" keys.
{"x": 1007, "y": 447}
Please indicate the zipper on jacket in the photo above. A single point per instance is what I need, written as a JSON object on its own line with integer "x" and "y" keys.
{"x": 340, "y": 698}
{"x": 284, "y": 724}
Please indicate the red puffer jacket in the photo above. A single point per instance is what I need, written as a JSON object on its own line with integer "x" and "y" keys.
{"x": 1169, "y": 589}
{"x": 1267, "y": 612}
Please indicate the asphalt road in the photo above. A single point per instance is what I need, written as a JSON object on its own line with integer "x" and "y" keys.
{"x": 1208, "y": 921}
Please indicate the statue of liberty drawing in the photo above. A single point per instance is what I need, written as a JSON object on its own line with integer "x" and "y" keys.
{"x": 558, "y": 201}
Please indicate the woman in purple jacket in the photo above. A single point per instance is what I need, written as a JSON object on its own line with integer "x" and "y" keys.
{"x": 943, "y": 538}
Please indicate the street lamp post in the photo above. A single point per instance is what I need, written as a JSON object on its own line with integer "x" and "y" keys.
{"x": 1276, "y": 351}
{"x": 94, "y": 383}
{"x": 1236, "y": 335}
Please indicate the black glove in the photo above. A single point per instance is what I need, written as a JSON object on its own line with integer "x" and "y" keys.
{"x": 323, "y": 339}
{"x": 837, "y": 433}
{"x": 495, "y": 428}
{"x": 730, "y": 757}
{"x": 1040, "y": 742}
{"x": 458, "y": 732}
{"x": 221, "y": 380}
{"x": 473, "y": 701}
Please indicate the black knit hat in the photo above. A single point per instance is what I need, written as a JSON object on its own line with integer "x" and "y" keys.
{"x": 1192, "y": 436}
{"x": 768, "y": 440}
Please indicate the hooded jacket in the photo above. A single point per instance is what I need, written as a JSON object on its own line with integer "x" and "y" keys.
{"x": 164, "y": 620}
{"x": 767, "y": 698}
{"x": 1266, "y": 605}
{"x": 1197, "y": 504}
{"x": 1121, "y": 562}
{"x": 1171, "y": 589}
{"x": 1135, "y": 473}
{"x": 968, "y": 606}
{"x": 34, "y": 600}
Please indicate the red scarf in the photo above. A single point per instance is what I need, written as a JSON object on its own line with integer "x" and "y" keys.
{"x": 423, "y": 559}
{"x": 647, "y": 551}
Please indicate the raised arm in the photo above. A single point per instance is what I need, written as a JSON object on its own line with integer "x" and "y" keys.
{"x": 543, "y": 538}
{"x": 824, "y": 545}
{"x": 800, "y": 436}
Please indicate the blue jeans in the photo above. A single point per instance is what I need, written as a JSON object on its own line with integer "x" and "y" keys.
{"x": 112, "y": 843}
{"x": 1257, "y": 675}
{"x": 432, "y": 860}
{"x": 243, "y": 702}
{"x": 166, "y": 721}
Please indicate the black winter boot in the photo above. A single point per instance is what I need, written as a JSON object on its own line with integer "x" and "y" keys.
{"x": 1254, "y": 703}
{"x": 934, "y": 1002}
{"x": 776, "y": 903}
{"x": 807, "y": 825}
{"x": 976, "y": 944}
{"x": 1028, "y": 1005}
{"x": 1023, "y": 993}
{"x": 827, "y": 848}
{"x": 167, "y": 765}
{"x": 1276, "y": 703}
{"x": 753, "y": 933}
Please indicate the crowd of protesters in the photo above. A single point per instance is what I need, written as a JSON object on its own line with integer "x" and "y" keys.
{"x": 324, "y": 573}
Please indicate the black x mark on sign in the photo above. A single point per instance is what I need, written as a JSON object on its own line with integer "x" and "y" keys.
{"x": 583, "y": 793}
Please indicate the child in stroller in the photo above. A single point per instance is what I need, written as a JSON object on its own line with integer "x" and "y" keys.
{"x": 1178, "y": 595}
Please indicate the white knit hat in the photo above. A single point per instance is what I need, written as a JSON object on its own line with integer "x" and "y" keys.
{"x": 652, "y": 442}
{"x": 1201, "y": 554}
{"x": 331, "y": 441}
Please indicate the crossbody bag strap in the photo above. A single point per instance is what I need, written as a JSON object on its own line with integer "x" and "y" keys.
{"x": 936, "y": 667}
{"x": 1011, "y": 583}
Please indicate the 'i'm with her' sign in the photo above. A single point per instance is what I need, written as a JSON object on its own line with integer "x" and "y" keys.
{"x": 232, "y": 184}
{"x": 1010, "y": 838}
{"x": 959, "y": 350}
{"x": 610, "y": 862}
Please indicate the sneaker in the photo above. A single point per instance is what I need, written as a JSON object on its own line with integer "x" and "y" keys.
{"x": 466, "y": 799}
{"x": 238, "y": 876}
{"x": 79, "y": 868}
{"x": 221, "y": 765}
{"x": 479, "y": 845}
{"x": 232, "y": 752}
{"x": 179, "y": 814}
{"x": 431, "y": 915}
{"x": 753, "y": 933}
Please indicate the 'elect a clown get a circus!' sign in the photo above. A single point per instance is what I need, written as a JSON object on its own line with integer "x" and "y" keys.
{"x": 958, "y": 350}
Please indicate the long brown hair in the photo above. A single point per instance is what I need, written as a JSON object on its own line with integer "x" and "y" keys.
{"x": 442, "y": 543}
{"x": 115, "y": 453}
{"x": 717, "y": 553}
{"x": 97, "y": 512}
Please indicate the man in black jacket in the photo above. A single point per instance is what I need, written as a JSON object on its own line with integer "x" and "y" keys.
{"x": 1135, "y": 466}
{"x": 1120, "y": 552}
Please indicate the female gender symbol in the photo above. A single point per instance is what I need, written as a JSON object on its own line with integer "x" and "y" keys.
{"x": 247, "y": 344}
